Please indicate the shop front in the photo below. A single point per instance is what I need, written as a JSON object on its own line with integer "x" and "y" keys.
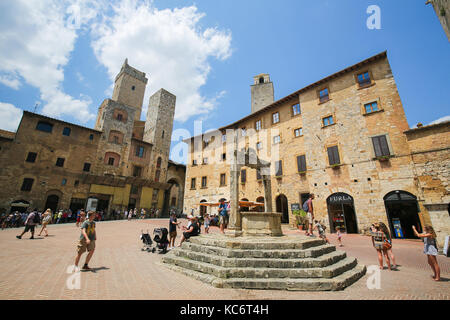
{"x": 341, "y": 213}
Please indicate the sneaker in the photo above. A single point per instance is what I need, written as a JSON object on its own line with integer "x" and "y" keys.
{"x": 86, "y": 267}
{"x": 18, "y": 237}
{"x": 32, "y": 237}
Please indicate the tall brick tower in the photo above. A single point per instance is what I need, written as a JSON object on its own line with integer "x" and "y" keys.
{"x": 158, "y": 130}
{"x": 262, "y": 92}
{"x": 129, "y": 88}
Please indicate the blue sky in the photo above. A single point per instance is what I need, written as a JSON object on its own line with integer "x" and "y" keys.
{"x": 206, "y": 53}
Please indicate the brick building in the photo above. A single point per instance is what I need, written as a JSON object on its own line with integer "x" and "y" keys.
{"x": 344, "y": 138}
{"x": 122, "y": 163}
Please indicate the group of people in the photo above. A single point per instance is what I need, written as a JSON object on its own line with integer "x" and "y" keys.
{"x": 382, "y": 242}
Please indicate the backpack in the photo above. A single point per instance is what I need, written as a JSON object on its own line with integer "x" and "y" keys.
{"x": 305, "y": 206}
{"x": 36, "y": 218}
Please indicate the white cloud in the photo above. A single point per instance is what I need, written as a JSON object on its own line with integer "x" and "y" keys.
{"x": 9, "y": 116}
{"x": 39, "y": 37}
{"x": 443, "y": 119}
{"x": 168, "y": 45}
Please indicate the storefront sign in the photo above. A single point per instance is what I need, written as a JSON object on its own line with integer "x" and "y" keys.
{"x": 340, "y": 198}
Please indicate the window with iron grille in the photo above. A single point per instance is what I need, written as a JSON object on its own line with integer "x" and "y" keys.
{"x": 381, "y": 146}
{"x": 31, "y": 157}
{"x": 301, "y": 163}
{"x": 27, "y": 184}
{"x": 278, "y": 168}
{"x": 333, "y": 155}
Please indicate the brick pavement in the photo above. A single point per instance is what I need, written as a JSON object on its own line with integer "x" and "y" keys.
{"x": 36, "y": 269}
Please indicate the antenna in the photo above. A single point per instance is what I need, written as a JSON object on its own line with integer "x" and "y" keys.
{"x": 35, "y": 106}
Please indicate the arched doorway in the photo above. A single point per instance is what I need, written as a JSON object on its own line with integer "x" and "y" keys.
{"x": 341, "y": 213}
{"x": 244, "y": 209}
{"x": 52, "y": 202}
{"x": 282, "y": 207}
{"x": 402, "y": 210}
{"x": 261, "y": 200}
{"x": 203, "y": 209}
{"x": 20, "y": 206}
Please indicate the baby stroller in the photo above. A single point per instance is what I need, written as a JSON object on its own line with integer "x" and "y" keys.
{"x": 161, "y": 239}
{"x": 147, "y": 241}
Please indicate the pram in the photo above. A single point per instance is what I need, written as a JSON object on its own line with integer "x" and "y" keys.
{"x": 147, "y": 241}
{"x": 161, "y": 239}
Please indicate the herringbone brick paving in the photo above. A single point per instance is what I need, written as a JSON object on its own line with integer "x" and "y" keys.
{"x": 37, "y": 269}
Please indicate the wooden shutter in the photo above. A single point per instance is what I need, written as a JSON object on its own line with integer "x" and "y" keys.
{"x": 278, "y": 168}
{"x": 301, "y": 163}
{"x": 380, "y": 146}
{"x": 243, "y": 176}
{"x": 333, "y": 155}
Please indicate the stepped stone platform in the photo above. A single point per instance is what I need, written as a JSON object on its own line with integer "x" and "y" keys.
{"x": 283, "y": 263}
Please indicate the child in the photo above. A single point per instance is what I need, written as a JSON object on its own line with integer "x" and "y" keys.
{"x": 321, "y": 229}
{"x": 430, "y": 249}
{"x": 339, "y": 236}
{"x": 207, "y": 221}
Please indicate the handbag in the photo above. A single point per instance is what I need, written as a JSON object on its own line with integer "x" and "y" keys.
{"x": 386, "y": 245}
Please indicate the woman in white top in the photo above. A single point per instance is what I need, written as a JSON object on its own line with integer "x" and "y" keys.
{"x": 46, "y": 218}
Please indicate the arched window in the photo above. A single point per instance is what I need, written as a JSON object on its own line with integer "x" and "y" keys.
{"x": 261, "y": 80}
{"x": 158, "y": 162}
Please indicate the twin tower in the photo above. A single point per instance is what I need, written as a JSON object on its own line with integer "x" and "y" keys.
{"x": 129, "y": 146}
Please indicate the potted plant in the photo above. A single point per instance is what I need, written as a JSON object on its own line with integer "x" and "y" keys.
{"x": 383, "y": 158}
{"x": 300, "y": 216}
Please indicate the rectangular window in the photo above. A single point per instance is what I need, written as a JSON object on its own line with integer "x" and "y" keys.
{"x": 111, "y": 161}
{"x": 324, "y": 95}
{"x": 296, "y": 109}
{"x": 364, "y": 79}
{"x": 193, "y": 183}
{"x": 275, "y": 117}
{"x": 136, "y": 171}
{"x": 76, "y": 183}
{"x": 87, "y": 167}
{"x": 64, "y": 181}
{"x": 31, "y": 157}
{"x": 60, "y": 162}
{"x": 328, "y": 121}
{"x": 44, "y": 126}
{"x": 91, "y": 137}
{"x": 276, "y": 139}
{"x": 301, "y": 163}
{"x": 243, "y": 176}
{"x": 224, "y": 156}
{"x": 66, "y": 131}
{"x": 298, "y": 132}
{"x": 134, "y": 190}
{"x": 258, "y": 174}
{"x": 205, "y": 160}
{"x": 243, "y": 132}
{"x": 258, "y": 125}
{"x": 259, "y": 146}
{"x": 27, "y": 184}
{"x": 194, "y": 162}
{"x": 204, "y": 182}
{"x": 224, "y": 138}
{"x": 371, "y": 107}
{"x": 116, "y": 139}
{"x": 380, "y": 146}
{"x": 278, "y": 168}
{"x": 333, "y": 155}
{"x": 223, "y": 181}
{"x": 140, "y": 151}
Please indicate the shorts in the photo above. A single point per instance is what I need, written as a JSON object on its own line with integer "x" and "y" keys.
{"x": 173, "y": 234}
{"x": 83, "y": 246}
{"x": 29, "y": 228}
{"x": 310, "y": 218}
{"x": 223, "y": 220}
{"x": 206, "y": 225}
{"x": 187, "y": 235}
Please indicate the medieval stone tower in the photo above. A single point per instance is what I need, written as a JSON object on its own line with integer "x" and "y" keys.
{"x": 129, "y": 88}
{"x": 158, "y": 130}
{"x": 262, "y": 92}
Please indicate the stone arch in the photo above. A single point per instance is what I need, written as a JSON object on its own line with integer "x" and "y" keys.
{"x": 402, "y": 210}
{"x": 261, "y": 199}
{"x": 114, "y": 156}
{"x": 281, "y": 202}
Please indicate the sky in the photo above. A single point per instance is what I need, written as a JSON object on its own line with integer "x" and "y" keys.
{"x": 59, "y": 58}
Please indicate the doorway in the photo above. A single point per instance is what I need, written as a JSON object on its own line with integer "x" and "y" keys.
{"x": 402, "y": 208}
{"x": 341, "y": 213}
{"x": 52, "y": 202}
{"x": 282, "y": 207}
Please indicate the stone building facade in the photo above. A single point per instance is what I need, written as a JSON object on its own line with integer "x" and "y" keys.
{"x": 118, "y": 165}
{"x": 341, "y": 138}
{"x": 442, "y": 9}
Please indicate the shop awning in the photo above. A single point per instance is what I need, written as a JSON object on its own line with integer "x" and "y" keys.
{"x": 241, "y": 204}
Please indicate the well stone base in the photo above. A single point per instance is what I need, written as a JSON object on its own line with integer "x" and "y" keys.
{"x": 261, "y": 224}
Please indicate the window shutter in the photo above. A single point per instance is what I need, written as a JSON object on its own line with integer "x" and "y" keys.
{"x": 278, "y": 168}
{"x": 243, "y": 176}
{"x": 333, "y": 155}
{"x": 301, "y": 163}
{"x": 384, "y": 146}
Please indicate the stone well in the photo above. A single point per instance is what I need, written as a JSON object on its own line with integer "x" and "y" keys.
{"x": 261, "y": 224}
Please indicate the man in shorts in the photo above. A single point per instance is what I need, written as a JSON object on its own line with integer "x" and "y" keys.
{"x": 87, "y": 240}
{"x": 223, "y": 216}
{"x": 29, "y": 224}
{"x": 310, "y": 214}
{"x": 173, "y": 224}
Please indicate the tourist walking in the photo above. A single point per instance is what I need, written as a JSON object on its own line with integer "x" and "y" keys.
{"x": 191, "y": 231}
{"x": 87, "y": 241}
{"x": 379, "y": 243}
{"x": 430, "y": 249}
{"x": 206, "y": 222}
{"x": 321, "y": 230}
{"x": 33, "y": 219}
{"x": 339, "y": 236}
{"x": 386, "y": 232}
{"x": 130, "y": 214}
{"x": 46, "y": 219}
{"x": 308, "y": 208}
{"x": 173, "y": 224}
{"x": 223, "y": 216}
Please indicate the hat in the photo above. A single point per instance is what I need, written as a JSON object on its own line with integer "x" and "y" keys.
{"x": 190, "y": 217}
